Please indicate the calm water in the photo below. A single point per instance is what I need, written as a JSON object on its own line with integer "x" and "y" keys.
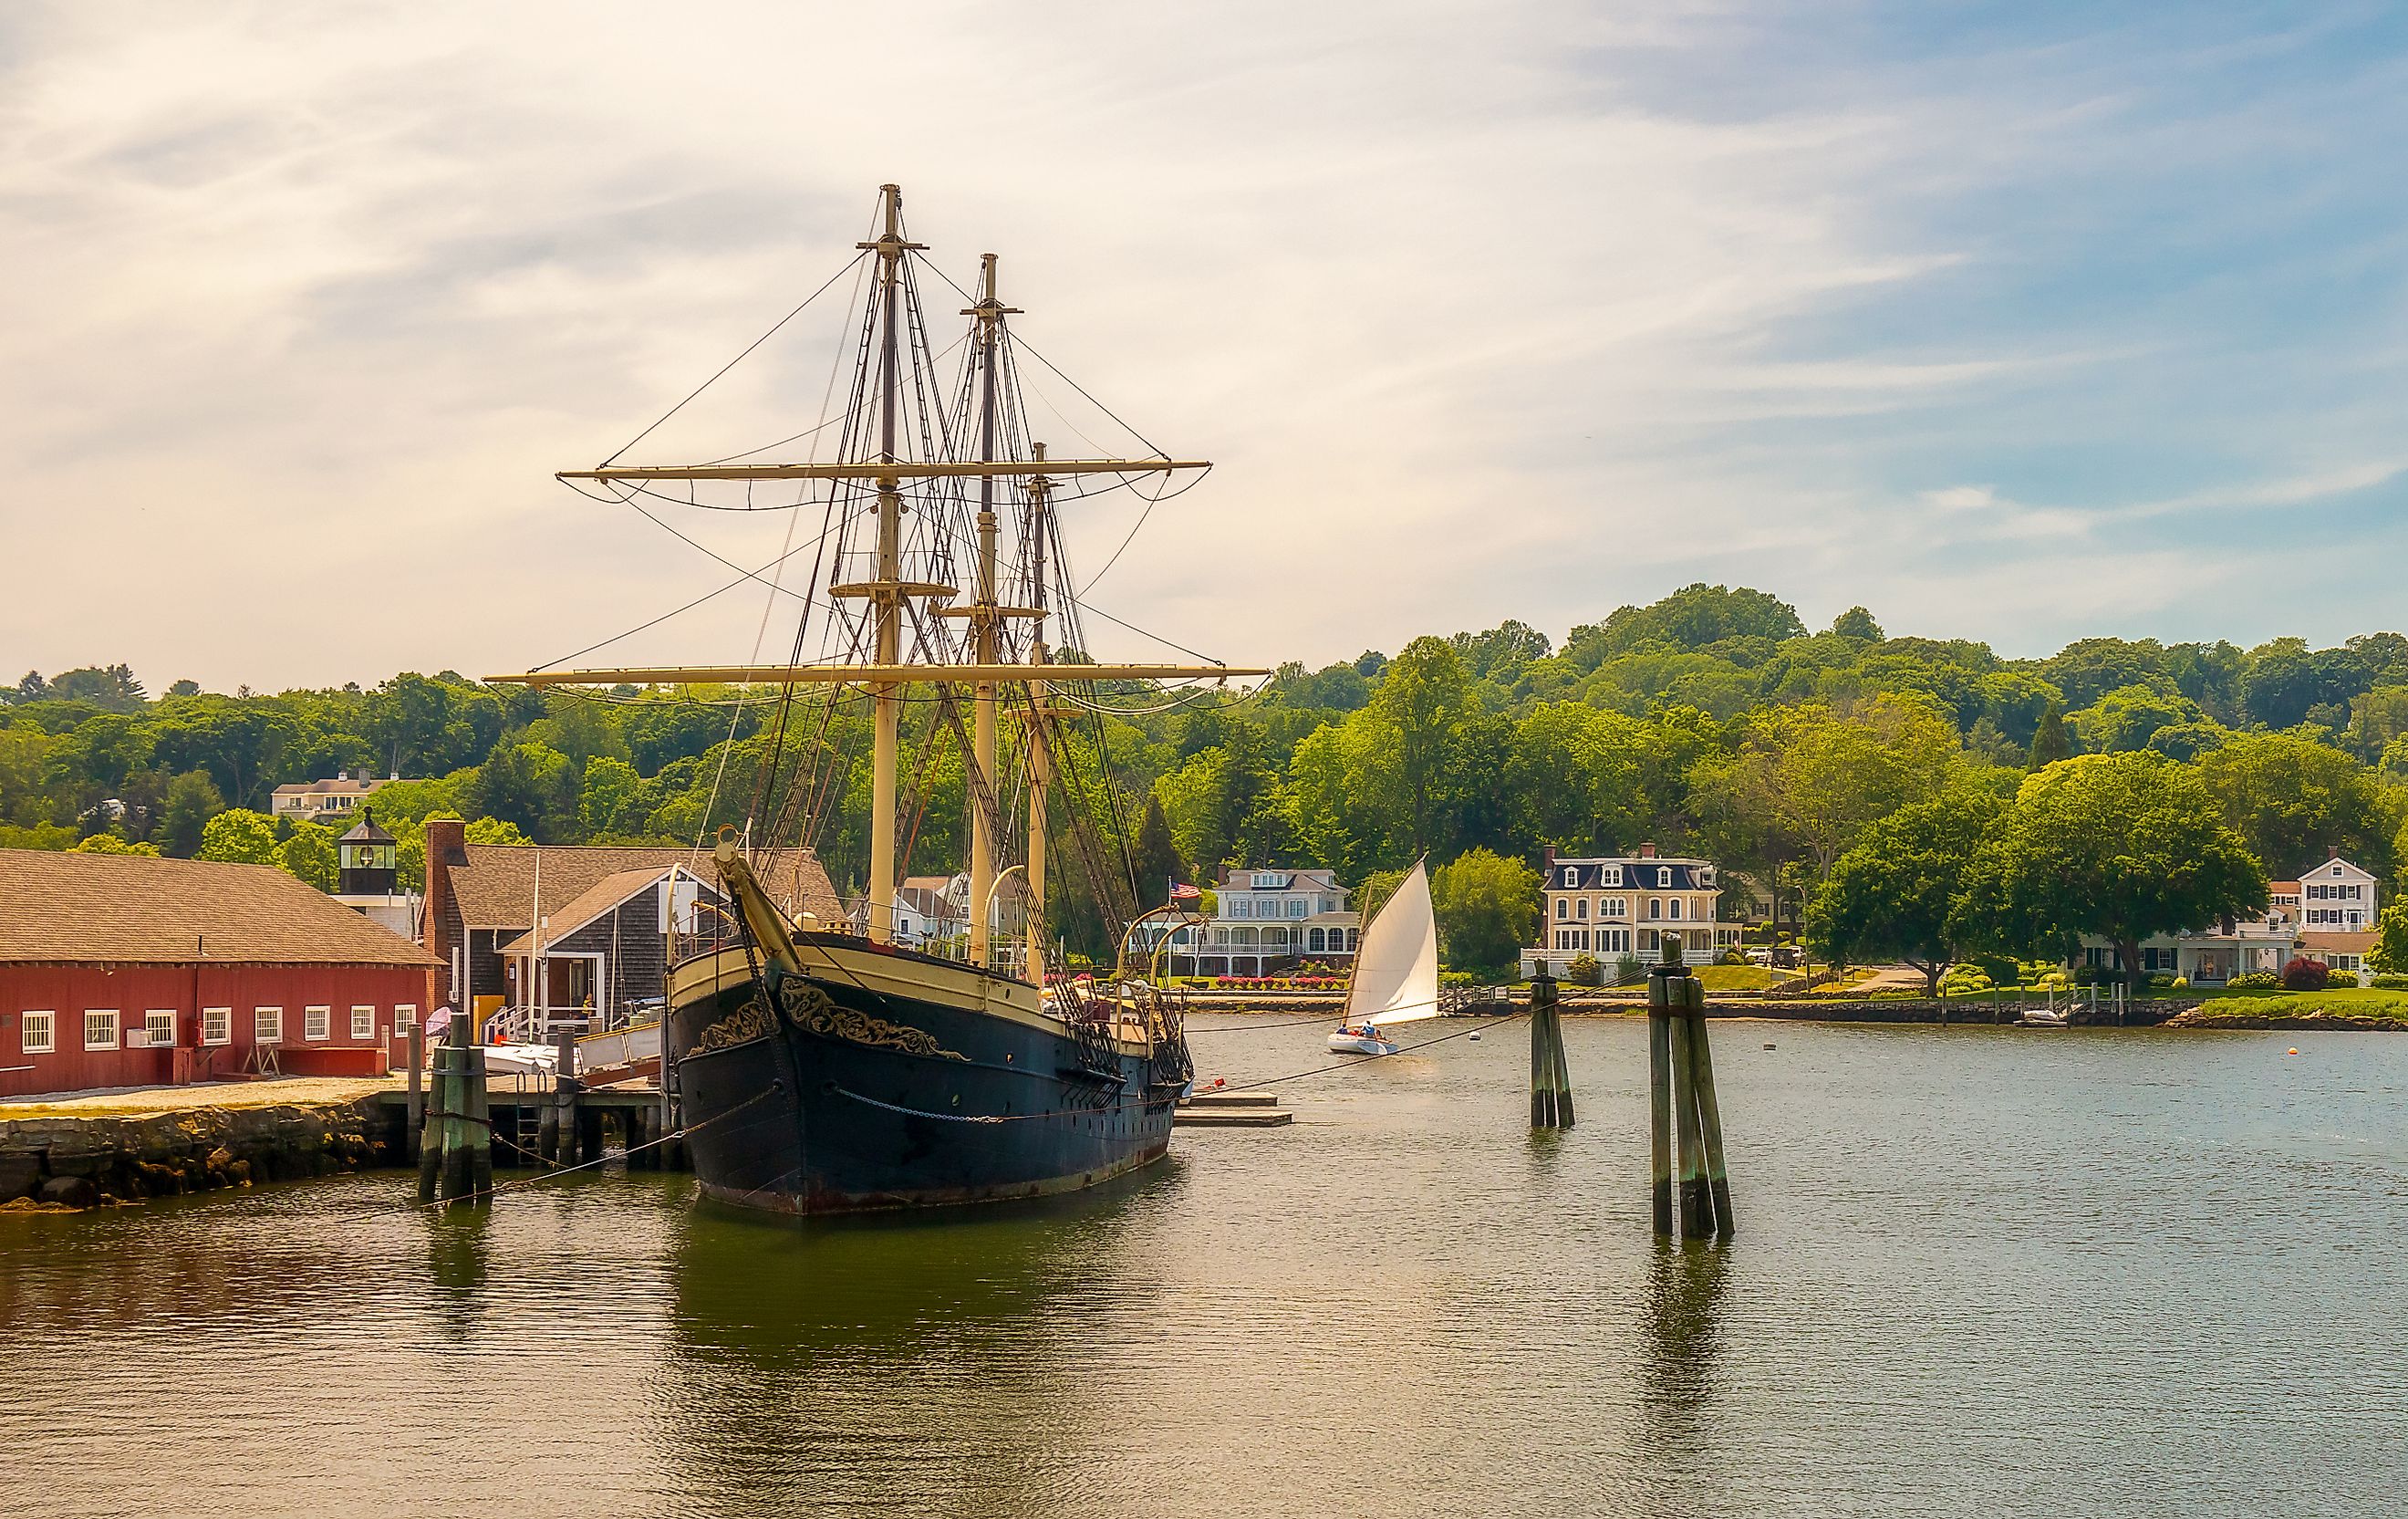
{"x": 1981, "y": 1272}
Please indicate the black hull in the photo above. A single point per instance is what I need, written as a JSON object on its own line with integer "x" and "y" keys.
{"x": 825, "y": 1091}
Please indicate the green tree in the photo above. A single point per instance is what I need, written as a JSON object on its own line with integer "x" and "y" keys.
{"x": 190, "y": 801}
{"x": 2049, "y": 743}
{"x": 1898, "y": 893}
{"x": 2389, "y": 956}
{"x": 308, "y": 854}
{"x": 2129, "y": 717}
{"x": 2293, "y": 800}
{"x": 1156, "y": 860}
{"x": 1693, "y": 617}
{"x": 1415, "y": 726}
{"x": 109, "y": 843}
{"x": 495, "y": 831}
{"x": 2125, "y": 846}
{"x": 1857, "y": 623}
{"x": 1813, "y": 778}
{"x": 1487, "y": 908}
{"x": 239, "y": 834}
{"x": 611, "y": 800}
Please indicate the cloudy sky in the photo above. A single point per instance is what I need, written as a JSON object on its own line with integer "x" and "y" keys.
{"x": 2016, "y": 322}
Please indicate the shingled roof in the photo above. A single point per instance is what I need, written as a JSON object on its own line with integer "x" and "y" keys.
{"x": 496, "y": 888}
{"x": 605, "y": 894}
{"x": 68, "y": 908}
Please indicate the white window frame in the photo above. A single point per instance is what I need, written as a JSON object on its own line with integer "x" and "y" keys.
{"x": 1571, "y": 878}
{"x": 151, "y": 1017}
{"x": 50, "y": 1044}
{"x": 267, "y": 1025}
{"x": 1563, "y": 910}
{"x": 217, "y": 1026}
{"x": 1675, "y": 912}
{"x": 316, "y": 1024}
{"x": 1581, "y": 909}
{"x": 1609, "y": 874}
{"x": 364, "y": 1016}
{"x": 109, "y": 1042}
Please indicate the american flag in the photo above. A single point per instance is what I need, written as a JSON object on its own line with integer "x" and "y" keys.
{"x": 1183, "y": 892}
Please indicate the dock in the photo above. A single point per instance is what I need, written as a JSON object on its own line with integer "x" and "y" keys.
{"x": 1231, "y": 1110}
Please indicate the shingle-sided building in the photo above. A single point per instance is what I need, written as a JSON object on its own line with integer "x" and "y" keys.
{"x": 121, "y": 970}
{"x": 608, "y": 910}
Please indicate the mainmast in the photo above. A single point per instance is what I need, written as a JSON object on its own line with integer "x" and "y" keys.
{"x": 886, "y": 592}
{"x": 986, "y": 617}
{"x": 1039, "y": 761}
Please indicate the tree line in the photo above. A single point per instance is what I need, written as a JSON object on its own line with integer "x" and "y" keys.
{"x": 1712, "y": 721}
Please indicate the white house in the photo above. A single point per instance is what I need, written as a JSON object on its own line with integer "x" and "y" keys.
{"x": 2328, "y": 914}
{"x": 1609, "y": 906}
{"x": 1269, "y": 921}
{"x": 322, "y": 801}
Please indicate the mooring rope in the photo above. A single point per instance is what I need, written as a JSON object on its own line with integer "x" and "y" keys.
{"x": 1242, "y": 1086}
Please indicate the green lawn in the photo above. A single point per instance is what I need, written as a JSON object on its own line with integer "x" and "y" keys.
{"x": 2359, "y": 1002}
{"x": 1734, "y": 978}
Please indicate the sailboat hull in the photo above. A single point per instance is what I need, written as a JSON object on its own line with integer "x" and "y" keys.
{"x": 876, "y": 1078}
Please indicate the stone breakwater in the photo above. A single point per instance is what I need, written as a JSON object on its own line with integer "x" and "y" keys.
{"x": 86, "y": 1159}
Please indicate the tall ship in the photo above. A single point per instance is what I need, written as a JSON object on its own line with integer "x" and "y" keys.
{"x": 862, "y": 1064}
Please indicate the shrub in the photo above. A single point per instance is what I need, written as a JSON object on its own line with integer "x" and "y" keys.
{"x": 2256, "y": 981}
{"x": 2389, "y": 983}
{"x": 2163, "y": 980}
{"x": 2341, "y": 977}
{"x": 1456, "y": 978}
{"x": 1732, "y": 956}
{"x": 1963, "y": 977}
{"x": 2054, "y": 981}
{"x": 2305, "y": 975}
{"x": 1584, "y": 970}
{"x": 2181, "y": 983}
{"x": 1627, "y": 969}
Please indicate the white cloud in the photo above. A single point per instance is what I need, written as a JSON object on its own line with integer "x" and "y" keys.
{"x": 1478, "y": 318}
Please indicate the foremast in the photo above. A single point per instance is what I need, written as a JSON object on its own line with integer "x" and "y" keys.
{"x": 887, "y": 591}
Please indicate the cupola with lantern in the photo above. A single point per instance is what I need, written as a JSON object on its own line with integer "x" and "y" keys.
{"x": 366, "y": 857}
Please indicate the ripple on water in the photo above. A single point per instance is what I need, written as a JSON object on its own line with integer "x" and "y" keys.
{"x": 1980, "y": 1273}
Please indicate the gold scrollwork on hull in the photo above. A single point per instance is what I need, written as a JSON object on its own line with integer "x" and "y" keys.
{"x": 746, "y": 1024}
{"x": 811, "y": 1010}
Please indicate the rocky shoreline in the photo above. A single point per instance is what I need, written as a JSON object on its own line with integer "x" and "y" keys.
{"x": 83, "y": 1160}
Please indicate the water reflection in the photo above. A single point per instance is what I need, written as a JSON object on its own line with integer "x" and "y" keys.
{"x": 459, "y": 1262}
{"x": 836, "y": 1363}
{"x": 1685, "y": 1292}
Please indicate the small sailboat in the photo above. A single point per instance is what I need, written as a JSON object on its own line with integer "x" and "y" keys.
{"x": 1395, "y": 970}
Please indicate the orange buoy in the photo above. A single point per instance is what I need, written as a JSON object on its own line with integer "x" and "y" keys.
{"x": 2293, "y": 1050}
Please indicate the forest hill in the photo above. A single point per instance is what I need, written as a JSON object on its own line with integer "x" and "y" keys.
{"x": 1712, "y": 721}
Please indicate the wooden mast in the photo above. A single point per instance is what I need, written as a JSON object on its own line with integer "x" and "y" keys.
{"x": 887, "y": 590}
{"x": 985, "y": 625}
{"x": 1039, "y": 761}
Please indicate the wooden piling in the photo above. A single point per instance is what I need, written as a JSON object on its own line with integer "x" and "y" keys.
{"x": 414, "y": 1115}
{"x": 476, "y": 1124}
{"x": 1551, "y": 1081}
{"x": 1709, "y": 1104}
{"x": 1697, "y": 1196}
{"x": 567, "y": 1136}
{"x": 1659, "y": 1104}
{"x": 430, "y": 1141}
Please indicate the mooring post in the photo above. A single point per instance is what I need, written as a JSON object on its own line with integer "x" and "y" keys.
{"x": 1659, "y": 1101}
{"x": 414, "y": 1115}
{"x": 564, "y": 1098}
{"x": 429, "y": 1140}
{"x": 453, "y": 1097}
{"x": 1710, "y": 1110}
{"x": 1550, "y": 1081}
{"x": 477, "y": 1128}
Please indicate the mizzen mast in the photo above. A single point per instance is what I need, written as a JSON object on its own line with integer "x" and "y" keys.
{"x": 986, "y": 617}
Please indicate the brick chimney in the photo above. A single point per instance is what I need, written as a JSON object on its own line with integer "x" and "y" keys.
{"x": 447, "y": 845}
{"x": 1647, "y": 850}
{"x": 1547, "y": 856}
{"x": 2332, "y": 852}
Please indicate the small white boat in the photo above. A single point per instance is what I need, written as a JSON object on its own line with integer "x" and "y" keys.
{"x": 1395, "y": 970}
{"x": 2037, "y": 1018}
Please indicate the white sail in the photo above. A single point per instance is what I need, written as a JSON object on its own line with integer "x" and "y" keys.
{"x": 1395, "y": 964}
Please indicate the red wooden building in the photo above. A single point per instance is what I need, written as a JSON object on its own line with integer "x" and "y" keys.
{"x": 118, "y": 970}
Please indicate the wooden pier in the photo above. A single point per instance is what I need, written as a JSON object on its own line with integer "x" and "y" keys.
{"x": 521, "y": 1118}
{"x": 1231, "y": 1110}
